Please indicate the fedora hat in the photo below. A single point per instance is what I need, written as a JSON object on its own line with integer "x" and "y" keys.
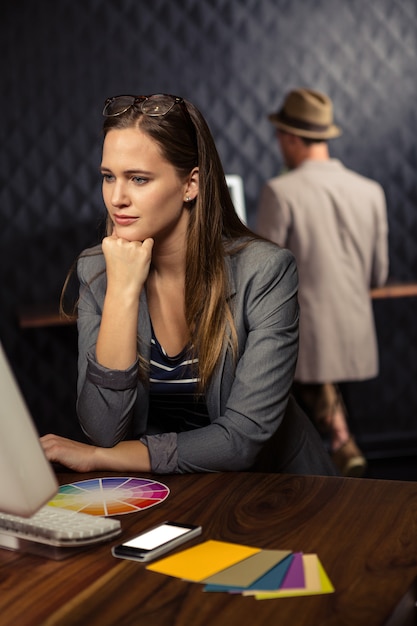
{"x": 306, "y": 113}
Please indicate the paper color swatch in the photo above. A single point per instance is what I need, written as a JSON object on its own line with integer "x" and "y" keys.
{"x": 294, "y": 578}
{"x": 270, "y": 581}
{"x": 203, "y": 560}
{"x": 233, "y": 568}
{"x": 317, "y": 582}
{"x": 246, "y": 572}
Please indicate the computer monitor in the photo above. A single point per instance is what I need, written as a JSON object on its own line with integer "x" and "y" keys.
{"x": 235, "y": 185}
{"x": 27, "y": 480}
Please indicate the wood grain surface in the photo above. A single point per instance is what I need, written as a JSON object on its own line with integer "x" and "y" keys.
{"x": 364, "y": 532}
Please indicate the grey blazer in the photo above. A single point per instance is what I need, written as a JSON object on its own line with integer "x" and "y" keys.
{"x": 246, "y": 403}
{"x": 335, "y": 223}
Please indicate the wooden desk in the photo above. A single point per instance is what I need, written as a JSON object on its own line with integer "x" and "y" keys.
{"x": 364, "y": 532}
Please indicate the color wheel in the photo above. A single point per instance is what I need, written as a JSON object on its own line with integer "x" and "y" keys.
{"x": 110, "y": 496}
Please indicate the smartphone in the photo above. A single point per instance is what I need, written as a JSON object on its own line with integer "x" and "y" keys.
{"x": 156, "y": 541}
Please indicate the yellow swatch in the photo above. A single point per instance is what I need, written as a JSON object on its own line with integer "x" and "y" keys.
{"x": 199, "y": 562}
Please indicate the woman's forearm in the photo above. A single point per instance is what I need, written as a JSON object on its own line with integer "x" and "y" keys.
{"x": 116, "y": 346}
{"x": 129, "y": 456}
{"x": 126, "y": 456}
{"x": 127, "y": 268}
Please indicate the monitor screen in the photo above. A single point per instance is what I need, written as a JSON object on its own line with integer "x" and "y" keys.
{"x": 235, "y": 185}
{"x": 27, "y": 480}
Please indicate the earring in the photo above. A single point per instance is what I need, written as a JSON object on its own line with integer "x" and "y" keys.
{"x": 187, "y": 198}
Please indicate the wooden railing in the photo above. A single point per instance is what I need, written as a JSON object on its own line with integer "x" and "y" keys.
{"x": 41, "y": 316}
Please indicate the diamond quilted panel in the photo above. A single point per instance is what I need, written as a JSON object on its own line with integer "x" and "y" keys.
{"x": 235, "y": 60}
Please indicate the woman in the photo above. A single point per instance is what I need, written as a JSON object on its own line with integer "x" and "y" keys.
{"x": 188, "y": 322}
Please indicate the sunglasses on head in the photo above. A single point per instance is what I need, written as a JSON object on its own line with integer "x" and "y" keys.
{"x": 155, "y": 105}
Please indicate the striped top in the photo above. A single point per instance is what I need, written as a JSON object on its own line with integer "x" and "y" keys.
{"x": 174, "y": 405}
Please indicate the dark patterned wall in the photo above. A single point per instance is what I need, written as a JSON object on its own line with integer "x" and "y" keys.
{"x": 235, "y": 60}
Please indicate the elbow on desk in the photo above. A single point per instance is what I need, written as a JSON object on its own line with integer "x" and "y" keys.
{"x": 100, "y": 438}
{"x": 101, "y": 433}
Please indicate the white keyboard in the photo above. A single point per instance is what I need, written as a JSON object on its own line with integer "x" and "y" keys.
{"x": 60, "y": 527}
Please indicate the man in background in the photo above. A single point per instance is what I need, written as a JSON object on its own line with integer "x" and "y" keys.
{"x": 335, "y": 223}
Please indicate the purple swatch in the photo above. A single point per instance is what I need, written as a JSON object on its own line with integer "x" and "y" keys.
{"x": 294, "y": 578}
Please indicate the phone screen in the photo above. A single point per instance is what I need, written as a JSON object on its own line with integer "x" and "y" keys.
{"x": 156, "y": 537}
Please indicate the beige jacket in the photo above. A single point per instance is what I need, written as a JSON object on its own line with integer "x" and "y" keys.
{"x": 335, "y": 223}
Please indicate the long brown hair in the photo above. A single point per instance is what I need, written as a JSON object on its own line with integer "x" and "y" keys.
{"x": 214, "y": 230}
